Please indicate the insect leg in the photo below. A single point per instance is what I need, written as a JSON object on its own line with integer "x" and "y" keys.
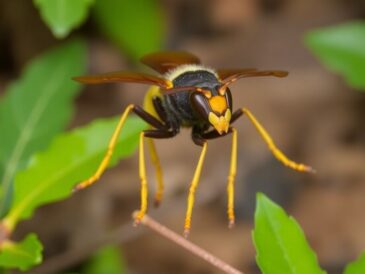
{"x": 231, "y": 179}
{"x": 232, "y": 171}
{"x": 156, "y": 163}
{"x": 149, "y": 118}
{"x": 105, "y": 161}
{"x": 155, "y": 160}
{"x": 193, "y": 186}
{"x": 276, "y": 152}
{"x": 143, "y": 178}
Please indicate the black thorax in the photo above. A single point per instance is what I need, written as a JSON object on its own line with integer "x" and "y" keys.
{"x": 177, "y": 105}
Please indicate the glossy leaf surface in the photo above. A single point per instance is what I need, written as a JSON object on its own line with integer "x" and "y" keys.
{"x": 22, "y": 255}
{"x": 280, "y": 242}
{"x": 71, "y": 158}
{"x": 37, "y": 107}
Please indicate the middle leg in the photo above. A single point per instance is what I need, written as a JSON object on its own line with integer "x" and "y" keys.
{"x": 193, "y": 186}
{"x": 143, "y": 178}
{"x": 142, "y": 167}
{"x": 155, "y": 159}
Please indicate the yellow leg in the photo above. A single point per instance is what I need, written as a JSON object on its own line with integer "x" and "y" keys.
{"x": 142, "y": 176}
{"x": 277, "y": 153}
{"x": 156, "y": 162}
{"x": 104, "y": 163}
{"x": 231, "y": 178}
{"x": 193, "y": 186}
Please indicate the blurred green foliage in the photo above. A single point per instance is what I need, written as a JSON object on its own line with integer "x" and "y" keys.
{"x": 280, "y": 243}
{"x": 281, "y": 246}
{"x": 37, "y": 107}
{"x": 22, "y": 255}
{"x": 71, "y": 158}
{"x": 342, "y": 49}
{"x": 107, "y": 260}
{"x": 62, "y": 16}
{"x": 33, "y": 111}
{"x": 357, "y": 267}
{"x": 137, "y": 26}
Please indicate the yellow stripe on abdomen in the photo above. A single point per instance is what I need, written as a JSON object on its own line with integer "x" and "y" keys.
{"x": 152, "y": 92}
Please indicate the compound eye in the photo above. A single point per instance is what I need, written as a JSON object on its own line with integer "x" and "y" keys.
{"x": 200, "y": 104}
{"x": 228, "y": 96}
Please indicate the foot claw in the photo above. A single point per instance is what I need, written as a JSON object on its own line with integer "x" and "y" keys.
{"x": 76, "y": 188}
{"x": 156, "y": 203}
{"x": 310, "y": 169}
{"x": 186, "y": 233}
{"x": 231, "y": 224}
{"x": 136, "y": 222}
{"x": 138, "y": 216}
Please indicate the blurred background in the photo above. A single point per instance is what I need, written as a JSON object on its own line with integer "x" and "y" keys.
{"x": 313, "y": 115}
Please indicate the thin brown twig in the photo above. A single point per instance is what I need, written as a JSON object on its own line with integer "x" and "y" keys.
{"x": 191, "y": 247}
{"x": 124, "y": 233}
{"x": 121, "y": 235}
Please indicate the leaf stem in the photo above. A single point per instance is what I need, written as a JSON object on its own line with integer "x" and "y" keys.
{"x": 183, "y": 242}
{"x": 4, "y": 233}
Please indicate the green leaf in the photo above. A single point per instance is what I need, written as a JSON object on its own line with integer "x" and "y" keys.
{"x": 357, "y": 267}
{"x": 71, "y": 158}
{"x": 135, "y": 26}
{"x": 37, "y": 107}
{"x": 341, "y": 48}
{"x": 62, "y": 16}
{"x": 21, "y": 255}
{"x": 107, "y": 260}
{"x": 280, "y": 243}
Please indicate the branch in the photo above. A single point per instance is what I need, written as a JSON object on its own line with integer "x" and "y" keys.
{"x": 183, "y": 242}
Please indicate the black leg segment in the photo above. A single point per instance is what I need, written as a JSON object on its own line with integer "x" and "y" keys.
{"x": 159, "y": 134}
{"x": 149, "y": 118}
{"x": 237, "y": 114}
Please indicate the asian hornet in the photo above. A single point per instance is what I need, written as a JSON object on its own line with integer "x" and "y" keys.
{"x": 185, "y": 94}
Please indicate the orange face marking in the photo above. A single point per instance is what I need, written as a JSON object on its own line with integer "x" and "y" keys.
{"x": 218, "y": 104}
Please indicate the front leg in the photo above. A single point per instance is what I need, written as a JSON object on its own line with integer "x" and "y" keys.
{"x": 213, "y": 134}
{"x": 232, "y": 171}
{"x": 114, "y": 138}
{"x": 270, "y": 143}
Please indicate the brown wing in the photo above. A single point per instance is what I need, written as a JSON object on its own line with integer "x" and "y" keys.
{"x": 224, "y": 73}
{"x": 164, "y": 61}
{"x": 235, "y": 74}
{"x": 125, "y": 76}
